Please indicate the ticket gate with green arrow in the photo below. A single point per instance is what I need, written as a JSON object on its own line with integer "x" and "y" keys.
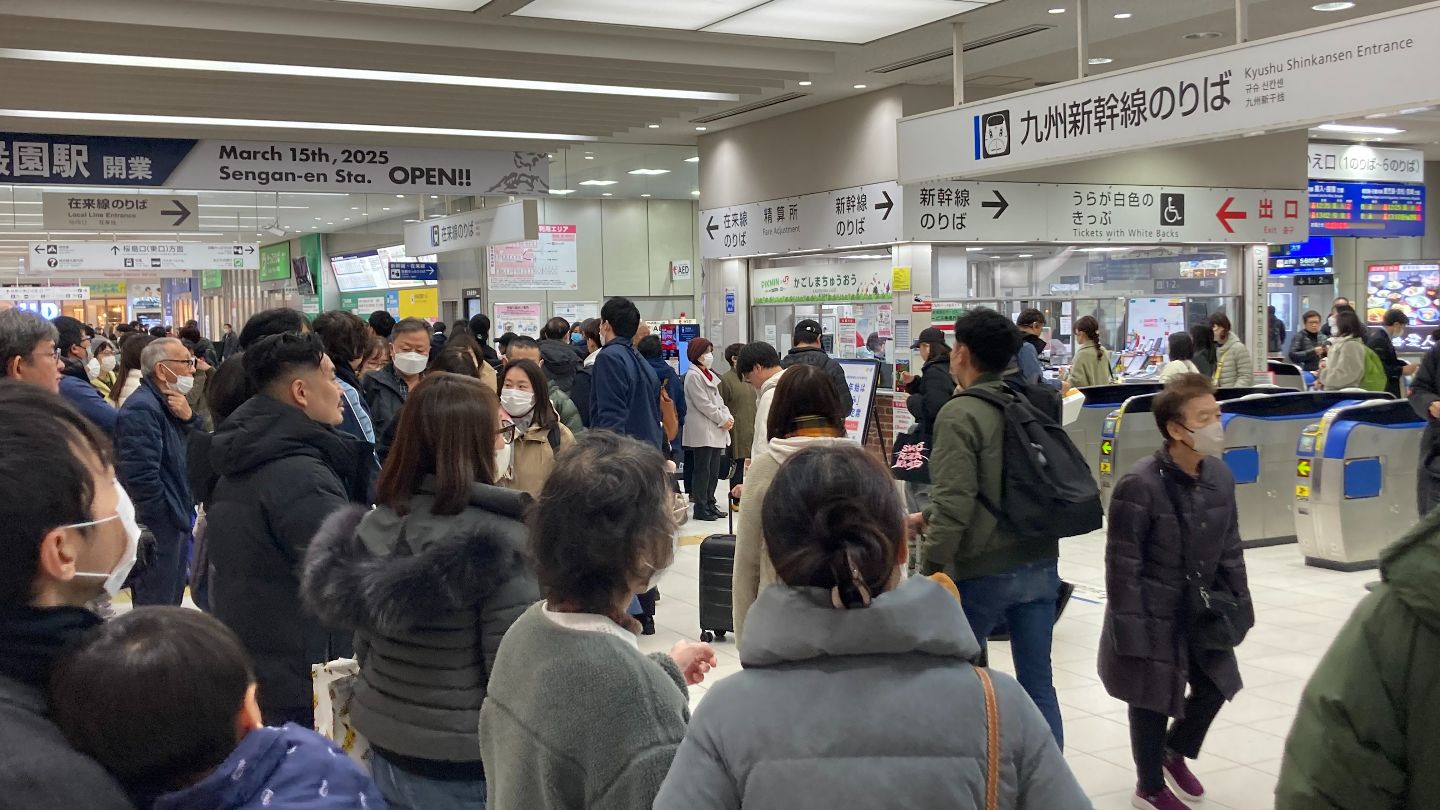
{"x": 1354, "y": 482}
{"x": 1260, "y": 437}
{"x": 1100, "y": 400}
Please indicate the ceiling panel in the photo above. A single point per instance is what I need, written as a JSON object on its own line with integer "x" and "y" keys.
{"x": 853, "y": 21}
{"x": 686, "y": 15}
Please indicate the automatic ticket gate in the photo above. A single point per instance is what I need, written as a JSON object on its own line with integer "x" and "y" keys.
{"x": 1129, "y": 434}
{"x": 1355, "y": 482}
{"x": 1260, "y": 436}
{"x": 1100, "y": 400}
{"x": 1289, "y": 375}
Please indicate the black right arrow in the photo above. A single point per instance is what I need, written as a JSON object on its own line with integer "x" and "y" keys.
{"x": 886, "y": 206}
{"x": 183, "y": 213}
{"x": 712, "y": 228}
{"x": 999, "y": 202}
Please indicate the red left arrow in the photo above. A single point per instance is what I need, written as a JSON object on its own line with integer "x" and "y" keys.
{"x": 1225, "y": 214}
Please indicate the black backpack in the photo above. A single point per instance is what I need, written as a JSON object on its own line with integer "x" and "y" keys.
{"x": 1042, "y": 397}
{"x": 1047, "y": 489}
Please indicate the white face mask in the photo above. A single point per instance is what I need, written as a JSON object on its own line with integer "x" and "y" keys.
{"x": 182, "y": 384}
{"x": 92, "y": 367}
{"x": 125, "y": 512}
{"x": 107, "y": 363}
{"x": 517, "y": 402}
{"x": 1208, "y": 440}
{"x": 503, "y": 458}
{"x": 707, "y": 359}
{"x": 410, "y": 363}
{"x": 1332, "y": 323}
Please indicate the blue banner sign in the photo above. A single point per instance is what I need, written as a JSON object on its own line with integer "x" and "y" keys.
{"x": 414, "y": 271}
{"x": 1366, "y": 209}
{"x": 89, "y": 160}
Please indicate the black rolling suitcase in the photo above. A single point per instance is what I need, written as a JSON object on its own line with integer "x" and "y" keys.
{"x": 717, "y": 566}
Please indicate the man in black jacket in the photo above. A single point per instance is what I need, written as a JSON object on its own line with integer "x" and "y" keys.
{"x": 284, "y": 469}
{"x": 1425, "y": 399}
{"x": 807, "y": 350}
{"x": 67, "y": 535}
{"x": 386, "y": 388}
{"x": 561, "y": 361}
{"x": 1381, "y": 340}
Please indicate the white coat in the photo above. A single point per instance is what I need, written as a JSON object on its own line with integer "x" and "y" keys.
{"x": 705, "y": 411}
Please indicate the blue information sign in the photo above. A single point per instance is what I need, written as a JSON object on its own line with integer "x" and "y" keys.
{"x": 414, "y": 271}
{"x": 1366, "y": 209}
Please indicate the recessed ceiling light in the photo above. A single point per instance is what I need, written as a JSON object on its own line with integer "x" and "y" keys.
{"x": 994, "y": 257}
{"x": 695, "y": 193}
{"x": 699, "y": 129}
{"x": 385, "y": 209}
{"x": 644, "y": 195}
{"x": 649, "y": 171}
{"x": 317, "y": 219}
{"x": 1413, "y": 110}
{"x": 1332, "y": 6}
{"x": 354, "y": 208}
{"x": 589, "y": 157}
{"x": 1354, "y": 129}
{"x": 434, "y": 196}
{"x": 804, "y": 84}
{"x": 1124, "y": 15}
{"x": 973, "y": 250}
{"x": 653, "y": 126}
{"x": 1203, "y": 35}
{"x": 606, "y": 194}
{"x": 399, "y": 196}
{"x": 328, "y": 72}
{"x": 347, "y": 219}
{"x": 598, "y": 182}
{"x": 265, "y": 123}
{"x": 695, "y": 159}
{"x": 1057, "y": 11}
{"x": 859, "y": 87}
{"x": 1025, "y": 255}
{"x": 329, "y": 223}
{"x": 562, "y": 191}
{"x": 1100, "y": 60}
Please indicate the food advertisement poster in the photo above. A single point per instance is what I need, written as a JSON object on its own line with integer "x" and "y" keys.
{"x": 1414, "y": 289}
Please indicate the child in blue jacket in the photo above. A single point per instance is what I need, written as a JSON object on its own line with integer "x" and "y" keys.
{"x": 164, "y": 698}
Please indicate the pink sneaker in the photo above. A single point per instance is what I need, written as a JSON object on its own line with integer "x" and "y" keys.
{"x": 1181, "y": 780}
{"x": 1164, "y": 800}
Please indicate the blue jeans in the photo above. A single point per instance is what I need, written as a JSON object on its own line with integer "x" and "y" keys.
{"x": 406, "y": 791}
{"x": 1024, "y": 598}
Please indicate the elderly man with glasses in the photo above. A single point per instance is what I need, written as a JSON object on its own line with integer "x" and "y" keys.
{"x": 28, "y": 350}
{"x": 150, "y": 439}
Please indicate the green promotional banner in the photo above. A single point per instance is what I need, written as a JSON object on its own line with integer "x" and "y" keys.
{"x": 312, "y": 247}
{"x": 275, "y": 262}
{"x": 212, "y": 279}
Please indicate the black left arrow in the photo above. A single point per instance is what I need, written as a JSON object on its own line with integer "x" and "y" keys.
{"x": 999, "y": 203}
{"x": 886, "y": 206}
{"x": 39, "y": 248}
{"x": 712, "y": 228}
{"x": 183, "y": 213}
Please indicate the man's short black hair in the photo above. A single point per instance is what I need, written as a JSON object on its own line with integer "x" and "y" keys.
{"x": 521, "y": 342}
{"x": 271, "y": 322}
{"x": 649, "y": 347}
{"x": 503, "y": 342}
{"x": 159, "y": 332}
{"x": 72, "y": 334}
{"x": 1395, "y": 316}
{"x": 382, "y": 323}
{"x": 756, "y": 355}
{"x": 153, "y": 695}
{"x": 732, "y": 352}
{"x": 480, "y": 327}
{"x": 623, "y": 317}
{"x": 1030, "y": 317}
{"x": 439, "y": 327}
{"x": 992, "y": 339}
{"x": 45, "y": 483}
{"x": 555, "y": 329}
{"x": 282, "y": 357}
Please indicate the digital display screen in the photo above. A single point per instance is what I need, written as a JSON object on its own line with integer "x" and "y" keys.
{"x": 1366, "y": 209}
{"x": 1412, "y": 288}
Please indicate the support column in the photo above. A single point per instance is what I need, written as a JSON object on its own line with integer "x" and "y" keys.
{"x": 957, "y": 37}
{"x": 1082, "y": 37}
{"x": 1242, "y": 22}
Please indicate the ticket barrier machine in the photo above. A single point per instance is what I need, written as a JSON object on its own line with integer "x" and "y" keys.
{"x": 1355, "y": 482}
{"x": 1260, "y": 433}
{"x": 1100, "y": 401}
{"x": 1288, "y": 375}
{"x": 1129, "y": 434}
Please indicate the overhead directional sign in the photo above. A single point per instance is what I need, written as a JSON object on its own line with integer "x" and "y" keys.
{"x": 477, "y": 229}
{"x": 1348, "y": 70}
{"x": 980, "y": 211}
{"x": 76, "y": 293}
{"x": 121, "y": 212}
{"x": 66, "y": 256}
{"x": 845, "y": 217}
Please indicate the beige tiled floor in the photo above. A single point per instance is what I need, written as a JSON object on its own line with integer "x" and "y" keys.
{"x": 1298, "y": 611}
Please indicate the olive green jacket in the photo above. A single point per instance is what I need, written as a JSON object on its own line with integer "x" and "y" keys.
{"x": 741, "y": 398}
{"x": 1089, "y": 368}
{"x": 1365, "y": 737}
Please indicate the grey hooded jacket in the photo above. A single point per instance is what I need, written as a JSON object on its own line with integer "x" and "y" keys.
{"x": 876, "y": 707}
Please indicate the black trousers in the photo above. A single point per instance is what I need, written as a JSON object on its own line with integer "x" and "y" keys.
{"x": 1149, "y": 739}
{"x": 706, "y": 476}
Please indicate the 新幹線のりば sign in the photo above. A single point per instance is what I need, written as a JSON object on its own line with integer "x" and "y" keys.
{"x": 29, "y": 158}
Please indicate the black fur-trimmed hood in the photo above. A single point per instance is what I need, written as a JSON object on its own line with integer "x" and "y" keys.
{"x": 359, "y": 575}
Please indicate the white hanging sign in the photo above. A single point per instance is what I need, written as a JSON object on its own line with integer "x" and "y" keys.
{"x": 149, "y": 256}
{"x": 44, "y": 293}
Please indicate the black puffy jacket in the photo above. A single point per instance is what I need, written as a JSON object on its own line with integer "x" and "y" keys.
{"x": 812, "y": 356}
{"x": 928, "y": 394}
{"x": 561, "y": 363}
{"x": 281, "y": 474}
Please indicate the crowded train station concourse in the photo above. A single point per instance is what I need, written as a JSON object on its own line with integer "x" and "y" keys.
{"x": 717, "y": 404}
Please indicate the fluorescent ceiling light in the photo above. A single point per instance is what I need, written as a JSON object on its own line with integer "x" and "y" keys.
{"x": 598, "y": 182}
{"x": 1052, "y": 11}
{"x": 649, "y": 171}
{"x": 695, "y": 159}
{"x": 859, "y": 87}
{"x": 804, "y": 84}
{"x": 1355, "y": 129}
{"x": 562, "y": 191}
{"x": 695, "y": 193}
{"x": 852, "y": 21}
{"x": 1100, "y": 60}
{"x": 699, "y": 129}
{"x": 975, "y": 250}
{"x": 688, "y": 15}
{"x": 652, "y": 126}
{"x": 644, "y": 195}
{"x": 440, "y": 5}
{"x": 1025, "y": 255}
{"x": 1407, "y": 111}
{"x": 1124, "y": 15}
{"x": 1332, "y": 6}
{"x": 260, "y": 123}
{"x": 606, "y": 194}
{"x": 312, "y": 71}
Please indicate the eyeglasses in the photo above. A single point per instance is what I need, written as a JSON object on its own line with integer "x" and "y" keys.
{"x": 508, "y": 431}
{"x": 192, "y": 362}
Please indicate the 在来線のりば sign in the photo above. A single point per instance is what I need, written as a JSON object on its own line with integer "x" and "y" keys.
{"x": 31, "y": 158}
{"x": 1354, "y": 68}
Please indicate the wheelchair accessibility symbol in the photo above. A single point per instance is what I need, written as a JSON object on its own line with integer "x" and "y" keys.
{"x": 1172, "y": 210}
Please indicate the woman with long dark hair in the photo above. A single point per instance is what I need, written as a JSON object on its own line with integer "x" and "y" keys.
{"x": 430, "y": 581}
{"x": 539, "y": 435}
{"x": 1182, "y": 357}
{"x": 828, "y": 711}
{"x": 1203, "y": 338}
{"x": 1091, "y": 363}
{"x": 127, "y": 373}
